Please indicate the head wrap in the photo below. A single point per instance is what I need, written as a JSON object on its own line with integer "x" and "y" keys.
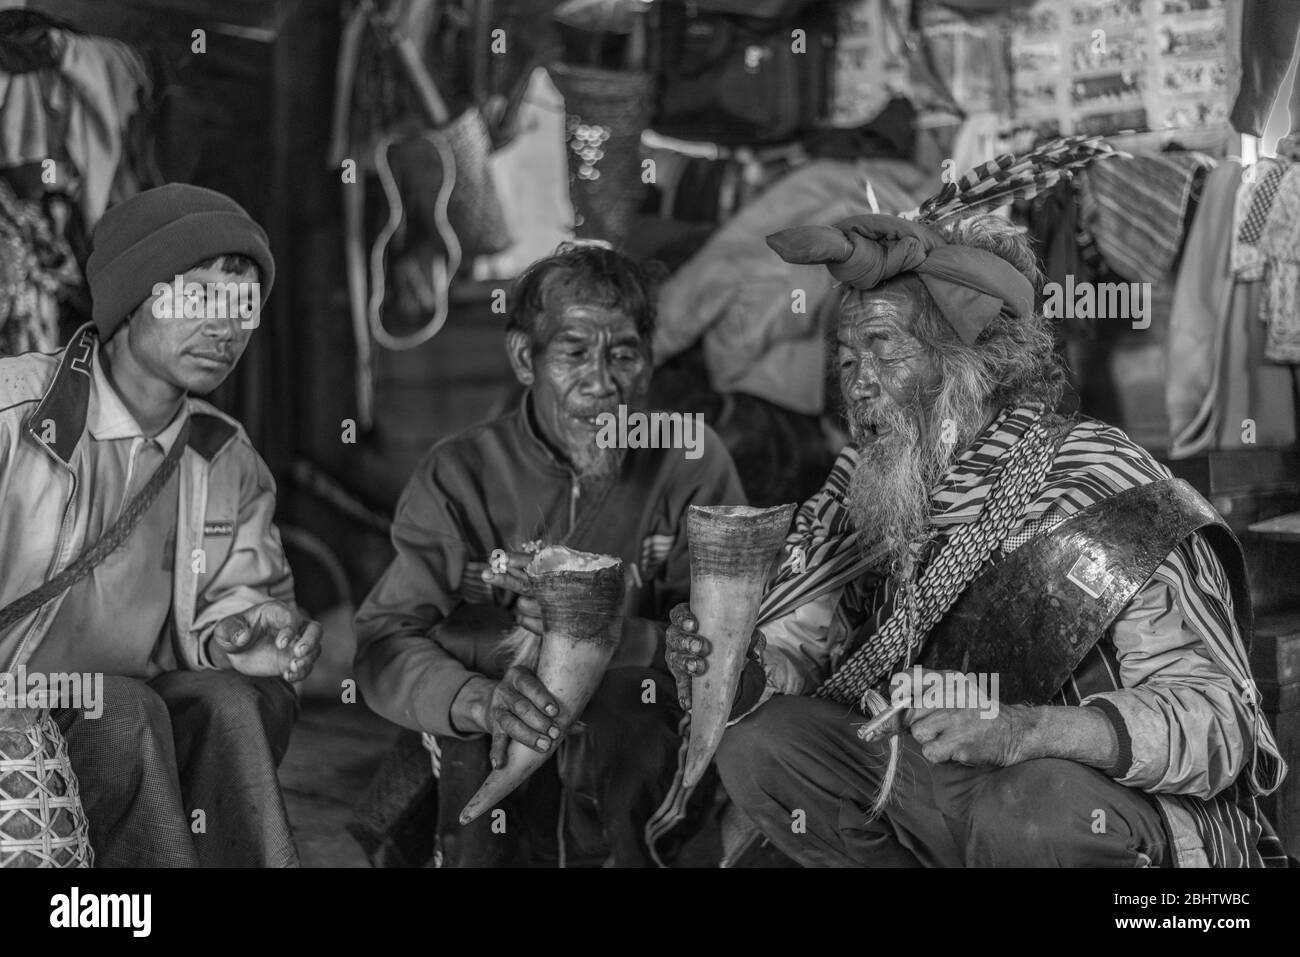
{"x": 971, "y": 287}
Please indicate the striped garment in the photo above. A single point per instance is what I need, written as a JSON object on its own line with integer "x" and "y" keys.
{"x": 1093, "y": 462}
{"x": 1138, "y": 210}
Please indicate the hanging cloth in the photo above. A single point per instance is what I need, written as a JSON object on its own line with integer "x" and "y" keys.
{"x": 1216, "y": 376}
{"x": 1279, "y": 242}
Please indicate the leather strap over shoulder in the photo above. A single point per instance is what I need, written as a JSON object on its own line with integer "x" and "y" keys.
{"x": 1034, "y": 615}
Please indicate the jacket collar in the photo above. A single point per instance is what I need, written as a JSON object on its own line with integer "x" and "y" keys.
{"x": 59, "y": 419}
{"x": 65, "y": 412}
{"x": 108, "y": 418}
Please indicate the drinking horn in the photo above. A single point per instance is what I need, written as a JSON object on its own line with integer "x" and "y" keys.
{"x": 581, "y": 597}
{"x": 732, "y": 548}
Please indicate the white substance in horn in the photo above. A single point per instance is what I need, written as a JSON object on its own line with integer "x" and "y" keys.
{"x": 732, "y": 511}
{"x": 557, "y": 558}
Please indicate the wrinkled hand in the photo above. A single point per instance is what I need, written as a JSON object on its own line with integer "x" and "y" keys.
{"x": 528, "y": 613}
{"x": 521, "y": 708}
{"x": 270, "y": 639}
{"x": 993, "y": 736}
{"x": 687, "y": 653}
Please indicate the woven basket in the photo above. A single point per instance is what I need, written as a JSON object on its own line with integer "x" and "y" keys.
{"x": 42, "y": 823}
{"x": 474, "y": 208}
{"x": 605, "y": 114}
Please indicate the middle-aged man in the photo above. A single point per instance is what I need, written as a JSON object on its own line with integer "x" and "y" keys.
{"x": 136, "y": 544}
{"x": 430, "y": 634}
{"x": 999, "y": 542}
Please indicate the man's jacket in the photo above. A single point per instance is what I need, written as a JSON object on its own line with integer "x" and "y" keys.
{"x": 228, "y": 553}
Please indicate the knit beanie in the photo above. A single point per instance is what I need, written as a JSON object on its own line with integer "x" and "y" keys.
{"x": 155, "y": 236}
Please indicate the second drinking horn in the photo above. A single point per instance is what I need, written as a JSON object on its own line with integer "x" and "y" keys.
{"x": 732, "y": 549}
{"x": 581, "y": 596}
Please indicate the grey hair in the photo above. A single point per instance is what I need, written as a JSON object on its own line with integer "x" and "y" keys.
{"x": 1014, "y": 361}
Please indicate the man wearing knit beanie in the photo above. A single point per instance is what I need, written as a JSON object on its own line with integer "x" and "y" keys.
{"x": 137, "y": 547}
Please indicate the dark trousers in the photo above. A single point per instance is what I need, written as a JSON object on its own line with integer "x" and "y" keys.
{"x": 182, "y": 743}
{"x": 609, "y": 776}
{"x": 803, "y": 755}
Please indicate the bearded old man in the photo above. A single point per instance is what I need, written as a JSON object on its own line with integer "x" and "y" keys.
{"x": 433, "y": 653}
{"x": 993, "y": 537}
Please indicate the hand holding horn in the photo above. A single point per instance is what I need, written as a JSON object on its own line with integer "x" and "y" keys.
{"x": 733, "y": 549}
{"x": 581, "y": 599}
{"x": 688, "y": 651}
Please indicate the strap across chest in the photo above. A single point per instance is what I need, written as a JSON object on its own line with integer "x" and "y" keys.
{"x": 1032, "y": 616}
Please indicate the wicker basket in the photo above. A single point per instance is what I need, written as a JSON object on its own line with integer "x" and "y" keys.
{"x": 42, "y": 823}
{"x": 605, "y": 114}
{"x": 474, "y": 208}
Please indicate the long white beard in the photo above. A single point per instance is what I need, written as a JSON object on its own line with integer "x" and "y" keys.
{"x": 889, "y": 493}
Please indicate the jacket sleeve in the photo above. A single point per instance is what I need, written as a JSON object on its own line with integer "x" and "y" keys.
{"x": 403, "y": 671}
{"x": 1182, "y": 725}
{"x": 254, "y": 570}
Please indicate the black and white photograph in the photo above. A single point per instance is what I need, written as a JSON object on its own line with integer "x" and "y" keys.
{"x": 661, "y": 435}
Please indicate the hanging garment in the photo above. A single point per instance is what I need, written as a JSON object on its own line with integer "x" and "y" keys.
{"x": 1069, "y": 257}
{"x": 1216, "y": 380}
{"x": 80, "y": 112}
{"x": 1279, "y": 242}
{"x": 757, "y": 313}
{"x": 1257, "y": 397}
{"x": 1268, "y": 38}
{"x": 1137, "y": 210}
{"x": 1254, "y": 201}
{"x": 104, "y": 77}
{"x": 37, "y": 269}
{"x": 28, "y": 122}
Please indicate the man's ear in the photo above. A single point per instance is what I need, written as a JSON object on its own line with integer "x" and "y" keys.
{"x": 519, "y": 348}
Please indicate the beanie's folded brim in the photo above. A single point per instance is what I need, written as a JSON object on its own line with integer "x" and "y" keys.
{"x": 128, "y": 279}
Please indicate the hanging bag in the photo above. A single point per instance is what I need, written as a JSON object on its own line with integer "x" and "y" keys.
{"x": 737, "y": 73}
